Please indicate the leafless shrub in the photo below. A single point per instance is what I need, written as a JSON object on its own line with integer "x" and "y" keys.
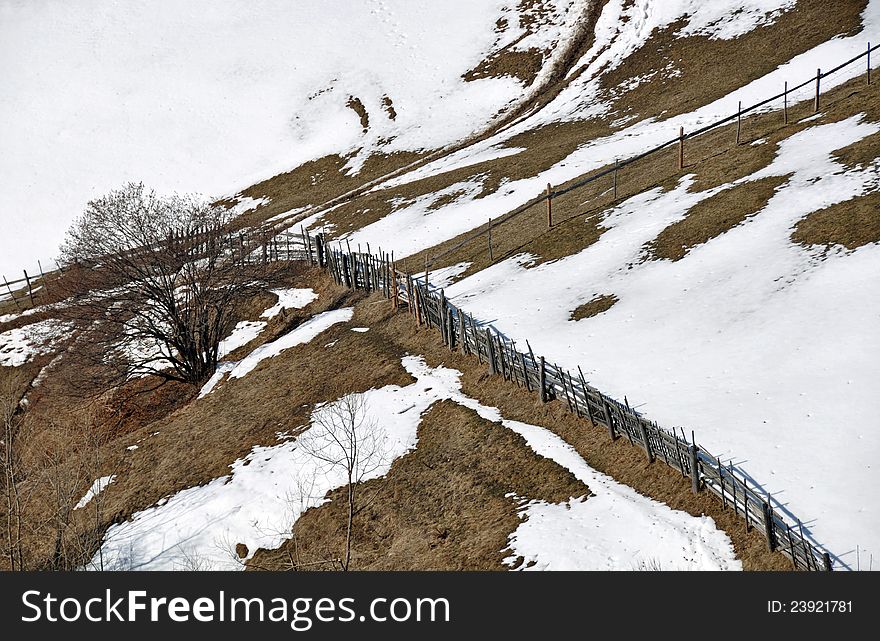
{"x": 347, "y": 443}
{"x": 155, "y": 284}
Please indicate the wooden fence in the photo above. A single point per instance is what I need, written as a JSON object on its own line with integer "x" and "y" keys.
{"x": 460, "y": 331}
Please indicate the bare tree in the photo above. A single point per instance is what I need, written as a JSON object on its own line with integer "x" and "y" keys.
{"x": 155, "y": 283}
{"x": 347, "y": 443}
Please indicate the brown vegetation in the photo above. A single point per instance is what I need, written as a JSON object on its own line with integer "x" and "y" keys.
{"x": 852, "y": 223}
{"x": 594, "y": 307}
{"x": 712, "y": 217}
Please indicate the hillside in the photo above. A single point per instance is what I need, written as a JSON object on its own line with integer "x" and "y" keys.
{"x": 730, "y": 296}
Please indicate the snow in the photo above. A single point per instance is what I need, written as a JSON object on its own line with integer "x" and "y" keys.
{"x": 266, "y": 492}
{"x": 614, "y": 529}
{"x": 360, "y": 330}
{"x": 246, "y": 203}
{"x": 223, "y": 368}
{"x": 744, "y": 340}
{"x": 302, "y": 334}
{"x": 415, "y": 229}
{"x": 20, "y": 345}
{"x": 85, "y": 84}
{"x": 97, "y": 487}
{"x": 243, "y": 333}
{"x": 295, "y": 298}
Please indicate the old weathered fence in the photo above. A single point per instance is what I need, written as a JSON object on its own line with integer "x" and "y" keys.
{"x": 377, "y": 272}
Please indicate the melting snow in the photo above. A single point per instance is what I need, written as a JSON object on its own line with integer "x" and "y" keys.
{"x": 302, "y": 334}
{"x": 267, "y": 491}
{"x": 97, "y": 487}
{"x": 290, "y": 299}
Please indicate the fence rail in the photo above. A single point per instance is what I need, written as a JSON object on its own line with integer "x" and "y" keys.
{"x": 459, "y": 330}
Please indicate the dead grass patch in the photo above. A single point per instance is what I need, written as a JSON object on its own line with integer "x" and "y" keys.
{"x": 625, "y": 463}
{"x": 852, "y": 223}
{"x": 861, "y": 153}
{"x": 444, "y": 506}
{"x": 354, "y": 103}
{"x": 712, "y": 217}
{"x": 594, "y": 307}
{"x": 695, "y": 70}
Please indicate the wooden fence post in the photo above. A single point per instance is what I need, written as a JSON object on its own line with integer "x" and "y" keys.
{"x": 869, "y": 63}
{"x": 768, "y": 525}
{"x": 785, "y": 104}
{"x": 818, "y": 77}
{"x": 542, "y": 377}
{"x": 609, "y": 419}
{"x": 490, "y": 352}
{"x": 462, "y": 332}
{"x": 616, "y": 168}
{"x": 30, "y": 291}
{"x": 680, "y": 148}
{"x": 695, "y": 468}
{"x": 9, "y": 289}
{"x": 645, "y": 441}
{"x": 549, "y": 206}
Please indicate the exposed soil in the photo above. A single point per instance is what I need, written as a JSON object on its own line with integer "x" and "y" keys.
{"x": 354, "y": 103}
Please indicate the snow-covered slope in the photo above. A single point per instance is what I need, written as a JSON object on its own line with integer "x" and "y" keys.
{"x": 265, "y": 493}
{"x": 211, "y": 96}
{"x": 766, "y": 348}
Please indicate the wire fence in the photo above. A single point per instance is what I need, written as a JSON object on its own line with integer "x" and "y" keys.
{"x": 811, "y": 87}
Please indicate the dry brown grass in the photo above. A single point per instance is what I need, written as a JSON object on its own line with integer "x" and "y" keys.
{"x": 714, "y": 159}
{"x": 389, "y": 525}
{"x": 443, "y": 506}
{"x": 594, "y": 307}
{"x": 852, "y": 223}
{"x": 618, "y": 459}
{"x": 712, "y": 217}
{"x": 710, "y": 69}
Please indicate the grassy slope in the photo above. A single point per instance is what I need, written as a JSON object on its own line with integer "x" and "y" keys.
{"x": 182, "y": 443}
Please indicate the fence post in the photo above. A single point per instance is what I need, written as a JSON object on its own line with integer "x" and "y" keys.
{"x": 30, "y": 291}
{"x": 616, "y": 167}
{"x": 768, "y": 525}
{"x": 645, "y": 440}
{"x": 462, "y": 332}
{"x": 542, "y": 376}
{"x": 785, "y": 104}
{"x": 680, "y": 148}
{"x": 9, "y": 289}
{"x": 826, "y": 558}
{"x": 549, "y": 206}
{"x": 490, "y": 352}
{"x": 695, "y": 469}
{"x": 608, "y": 419}
{"x": 818, "y": 77}
{"x": 869, "y": 63}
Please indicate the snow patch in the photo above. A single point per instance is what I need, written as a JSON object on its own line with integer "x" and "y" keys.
{"x": 97, "y": 487}
{"x": 302, "y": 334}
